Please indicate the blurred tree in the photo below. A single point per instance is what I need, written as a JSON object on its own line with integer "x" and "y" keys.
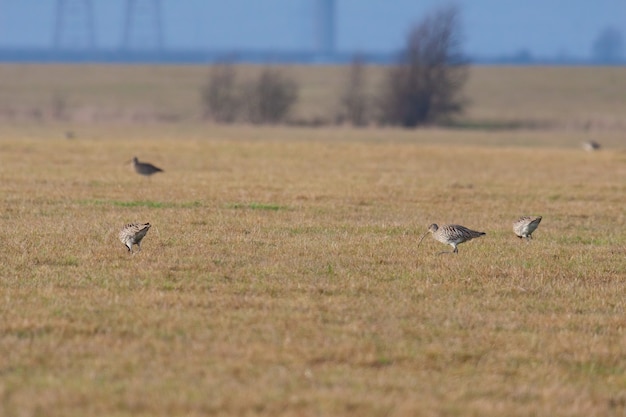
{"x": 608, "y": 46}
{"x": 220, "y": 96}
{"x": 354, "y": 99}
{"x": 59, "y": 107}
{"x": 424, "y": 86}
{"x": 269, "y": 98}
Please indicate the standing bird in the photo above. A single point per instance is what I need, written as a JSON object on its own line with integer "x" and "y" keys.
{"x": 132, "y": 234}
{"x": 525, "y": 226}
{"x": 451, "y": 234}
{"x": 145, "y": 168}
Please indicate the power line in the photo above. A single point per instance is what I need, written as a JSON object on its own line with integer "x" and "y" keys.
{"x": 74, "y": 27}
{"x": 143, "y": 27}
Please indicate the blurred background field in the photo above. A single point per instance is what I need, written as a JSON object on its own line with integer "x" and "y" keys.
{"x": 573, "y": 98}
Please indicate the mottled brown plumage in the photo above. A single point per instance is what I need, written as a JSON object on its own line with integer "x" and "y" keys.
{"x": 451, "y": 234}
{"x": 132, "y": 234}
{"x": 525, "y": 226}
{"x": 144, "y": 168}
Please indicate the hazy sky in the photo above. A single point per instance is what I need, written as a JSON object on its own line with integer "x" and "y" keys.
{"x": 491, "y": 27}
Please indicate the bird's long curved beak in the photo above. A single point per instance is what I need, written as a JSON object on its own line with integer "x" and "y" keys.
{"x": 418, "y": 245}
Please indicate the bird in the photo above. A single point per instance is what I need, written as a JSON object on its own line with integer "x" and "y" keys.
{"x": 144, "y": 168}
{"x": 451, "y": 234}
{"x": 525, "y": 226}
{"x": 132, "y": 234}
{"x": 591, "y": 145}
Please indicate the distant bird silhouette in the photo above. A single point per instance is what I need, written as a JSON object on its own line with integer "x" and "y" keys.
{"x": 144, "y": 168}
{"x": 132, "y": 234}
{"x": 591, "y": 145}
{"x": 525, "y": 226}
{"x": 451, "y": 234}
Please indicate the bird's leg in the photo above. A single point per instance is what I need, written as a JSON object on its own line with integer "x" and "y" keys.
{"x": 456, "y": 250}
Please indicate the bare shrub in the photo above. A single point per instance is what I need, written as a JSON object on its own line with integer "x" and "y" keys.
{"x": 59, "y": 107}
{"x": 424, "y": 86}
{"x": 220, "y": 97}
{"x": 354, "y": 99}
{"x": 270, "y": 97}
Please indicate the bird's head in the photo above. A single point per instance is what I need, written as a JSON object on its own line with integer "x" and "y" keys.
{"x": 432, "y": 229}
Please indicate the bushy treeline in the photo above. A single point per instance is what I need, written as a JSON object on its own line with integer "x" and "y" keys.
{"x": 266, "y": 99}
{"x": 423, "y": 87}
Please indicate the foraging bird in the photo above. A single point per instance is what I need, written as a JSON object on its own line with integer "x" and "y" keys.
{"x": 451, "y": 234}
{"x": 145, "y": 168}
{"x": 132, "y": 234}
{"x": 525, "y": 226}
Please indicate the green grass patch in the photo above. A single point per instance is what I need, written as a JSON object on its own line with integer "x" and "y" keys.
{"x": 495, "y": 125}
{"x": 141, "y": 203}
{"x": 257, "y": 206}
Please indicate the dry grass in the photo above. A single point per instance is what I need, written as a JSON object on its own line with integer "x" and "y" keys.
{"x": 281, "y": 277}
{"x": 574, "y": 97}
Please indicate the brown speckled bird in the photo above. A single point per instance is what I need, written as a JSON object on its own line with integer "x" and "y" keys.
{"x": 451, "y": 234}
{"x": 132, "y": 234}
{"x": 525, "y": 226}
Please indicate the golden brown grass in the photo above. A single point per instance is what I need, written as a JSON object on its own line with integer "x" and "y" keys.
{"x": 281, "y": 277}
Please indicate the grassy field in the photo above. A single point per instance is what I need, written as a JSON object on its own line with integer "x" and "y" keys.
{"x": 577, "y": 98}
{"x": 281, "y": 274}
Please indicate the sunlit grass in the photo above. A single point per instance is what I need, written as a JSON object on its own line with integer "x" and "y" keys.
{"x": 281, "y": 274}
